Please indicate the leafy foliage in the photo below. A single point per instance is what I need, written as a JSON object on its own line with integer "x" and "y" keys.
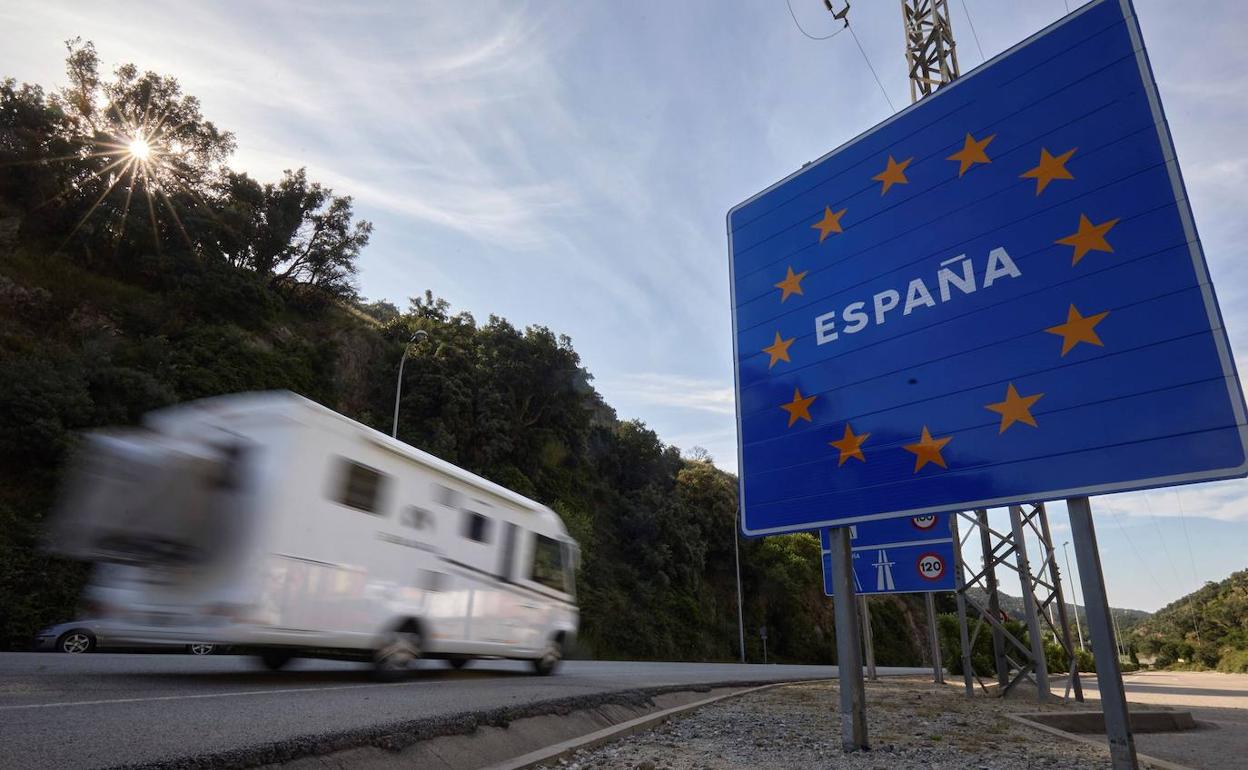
{"x": 72, "y": 176}
{"x": 1208, "y": 628}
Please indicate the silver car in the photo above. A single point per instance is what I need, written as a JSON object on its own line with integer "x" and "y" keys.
{"x": 79, "y": 636}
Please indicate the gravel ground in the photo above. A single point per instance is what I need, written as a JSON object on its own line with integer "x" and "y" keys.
{"x": 911, "y": 723}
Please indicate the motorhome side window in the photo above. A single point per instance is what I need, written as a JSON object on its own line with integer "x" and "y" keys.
{"x": 548, "y": 563}
{"x": 476, "y": 527}
{"x": 360, "y": 487}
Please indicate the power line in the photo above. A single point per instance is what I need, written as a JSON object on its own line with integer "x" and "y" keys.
{"x": 1148, "y": 567}
{"x": 1191, "y": 557}
{"x": 798, "y": 24}
{"x": 1161, "y": 537}
{"x": 967, "y": 11}
{"x": 789, "y": 4}
{"x": 868, "y": 61}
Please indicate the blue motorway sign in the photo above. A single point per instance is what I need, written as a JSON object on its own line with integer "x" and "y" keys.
{"x": 906, "y": 530}
{"x": 906, "y": 569}
{"x": 995, "y": 296}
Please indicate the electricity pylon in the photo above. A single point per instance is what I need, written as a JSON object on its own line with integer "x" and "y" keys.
{"x": 931, "y": 53}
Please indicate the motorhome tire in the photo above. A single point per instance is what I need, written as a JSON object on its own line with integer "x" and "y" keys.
{"x": 546, "y": 665}
{"x": 276, "y": 660}
{"x": 394, "y": 657}
{"x": 457, "y": 663}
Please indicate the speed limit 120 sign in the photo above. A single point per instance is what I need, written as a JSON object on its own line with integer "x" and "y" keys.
{"x": 931, "y": 566}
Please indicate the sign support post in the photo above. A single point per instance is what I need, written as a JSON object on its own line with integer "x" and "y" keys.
{"x": 968, "y": 673}
{"x": 1060, "y": 598}
{"x": 938, "y": 666}
{"x": 868, "y": 640}
{"x": 849, "y": 662}
{"x": 1100, "y": 626}
{"x": 1039, "y": 664}
{"x": 994, "y": 601}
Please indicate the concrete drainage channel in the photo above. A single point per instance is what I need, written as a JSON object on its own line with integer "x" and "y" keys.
{"x": 508, "y": 738}
{"x": 1089, "y": 727}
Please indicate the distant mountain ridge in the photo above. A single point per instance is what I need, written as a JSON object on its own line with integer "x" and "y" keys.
{"x": 1127, "y": 619}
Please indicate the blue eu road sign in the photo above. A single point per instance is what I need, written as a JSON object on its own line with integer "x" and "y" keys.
{"x": 906, "y": 569}
{"x": 997, "y": 295}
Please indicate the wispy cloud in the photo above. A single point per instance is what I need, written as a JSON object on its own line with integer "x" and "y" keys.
{"x": 1222, "y": 501}
{"x": 674, "y": 391}
{"x": 431, "y": 116}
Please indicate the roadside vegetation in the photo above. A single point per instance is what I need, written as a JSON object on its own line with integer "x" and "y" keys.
{"x": 138, "y": 275}
{"x": 1207, "y": 629}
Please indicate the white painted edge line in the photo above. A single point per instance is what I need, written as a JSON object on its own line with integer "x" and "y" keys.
{"x": 1144, "y": 759}
{"x": 608, "y": 734}
{"x": 199, "y": 696}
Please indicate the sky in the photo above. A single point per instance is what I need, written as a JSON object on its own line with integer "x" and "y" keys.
{"x": 570, "y": 164}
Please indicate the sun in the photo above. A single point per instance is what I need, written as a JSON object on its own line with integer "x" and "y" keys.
{"x": 139, "y": 155}
{"x": 139, "y": 148}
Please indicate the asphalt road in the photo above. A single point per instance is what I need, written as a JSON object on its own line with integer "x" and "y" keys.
{"x": 1218, "y": 702}
{"x": 103, "y": 710}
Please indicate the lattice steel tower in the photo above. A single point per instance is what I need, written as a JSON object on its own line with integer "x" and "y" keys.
{"x": 931, "y": 54}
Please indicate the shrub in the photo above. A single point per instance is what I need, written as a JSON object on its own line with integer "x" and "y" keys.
{"x": 1086, "y": 661}
{"x": 1056, "y": 658}
{"x": 1234, "y": 662}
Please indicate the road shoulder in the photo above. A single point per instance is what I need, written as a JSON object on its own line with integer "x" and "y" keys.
{"x": 913, "y": 724}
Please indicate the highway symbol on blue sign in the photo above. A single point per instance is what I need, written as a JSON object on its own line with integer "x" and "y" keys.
{"x": 905, "y": 530}
{"x": 995, "y": 296}
{"x": 884, "y": 569}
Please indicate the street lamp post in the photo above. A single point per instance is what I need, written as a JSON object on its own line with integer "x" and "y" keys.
{"x": 1074, "y": 586}
{"x": 419, "y": 336}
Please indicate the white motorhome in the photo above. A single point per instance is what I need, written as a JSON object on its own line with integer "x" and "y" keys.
{"x": 267, "y": 521}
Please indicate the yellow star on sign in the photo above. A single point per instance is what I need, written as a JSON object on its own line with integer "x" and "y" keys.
{"x": 1050, "y": 168}
{"x": 1078, "y": 328}
{"x": 778, "y": 350}
{"x": 1089, "y": 237}
{"x": 927, "y": 450}
{"x": 850, "y": 445}
{"x": 972, "y": 152}
{"x": 1015, "y": 408}
{"x": 792, "y": 284}
{"x": 831, "y": 222}
{"x": 798, "y": 407}
{"x": 894, "y": 173}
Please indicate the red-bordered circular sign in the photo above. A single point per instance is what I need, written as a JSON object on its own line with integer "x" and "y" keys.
{"x": 923, "y": 522}
{"x": 931, "y": 566}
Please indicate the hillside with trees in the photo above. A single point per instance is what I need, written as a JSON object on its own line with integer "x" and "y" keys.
{"x": 138, "y": 270}
{"x": 1208, "y": 628}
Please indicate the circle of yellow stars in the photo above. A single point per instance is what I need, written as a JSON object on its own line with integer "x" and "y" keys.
{"x": 1015, "y": 407}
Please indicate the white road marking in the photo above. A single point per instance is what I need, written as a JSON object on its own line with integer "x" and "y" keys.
{"x": 205, "y": 695}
